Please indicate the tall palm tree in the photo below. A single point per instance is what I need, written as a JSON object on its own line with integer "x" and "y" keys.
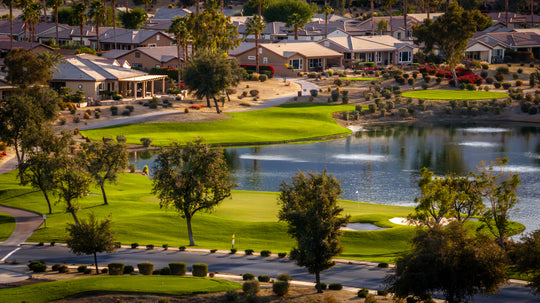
{"x": 388, "y": 5}
{"x": 255, "y": 26}
{"x": 180, "y": 29}
{"x": 372, "y": 18}
{"x": 44, "y": 5}
{"x": 327, "y": 10}
{"x": 146, "y": 3}
{"x": 56, "y": 4}
{"x": 296, "y": 22}
{"x": 22, "y": 4}
{"x": 405, "y": 17}
{"x": 31, "y": 15}
{"x": 9, "y": 4}
{"x": 79, "y": 17}
{"x": 260, "y": 5}
{"x": 113, "y": 6}
{"x": 97, "y": 12}
{"x": 532, "y": 13}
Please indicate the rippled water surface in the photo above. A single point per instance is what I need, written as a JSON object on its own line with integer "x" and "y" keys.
{"x": 380, "y": 163}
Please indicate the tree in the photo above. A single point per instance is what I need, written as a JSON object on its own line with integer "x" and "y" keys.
{"x": 209, "y": 73}
{"x": 255, "y": 26}
{"x": 26, "y": 69}
{"x": 56, "y": 4}
{"x": 97, "y": 12}
{"x": 388, "y": 5}
{"x": 498, "y": 188}
{"x": 382, "y": 26}
{"x": 448, "y": 260}
{"x": 91, "y": 237}
{"x": 9, "y": 4}
{"x": 187, "y": 3}
{"x": 450, "y": 33}
{"x": 79, "y": 17}
{"x": 296, "y": 21}
{"x": 104, "y": 161}
{"x": 282, "y": 10}
{"x": 327, "y": 10}
{"x": 309, "y": 206}
{"x": 213, "y": 31}
{"x": 191, "y": 178}
{"x": 31, "y": 15}
{"x": 179, "y": 28}
{"x": 526, "y": 253}
{"x": 134, "y": 19}
{"x": 146, "y": 3}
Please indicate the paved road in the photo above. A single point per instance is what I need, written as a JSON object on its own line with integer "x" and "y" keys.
{"x": 26, "y": 222}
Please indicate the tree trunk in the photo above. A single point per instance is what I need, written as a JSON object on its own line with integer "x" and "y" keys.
{"x": 44, "y": 4}
{"x": 81, "y": 28}
{"x": 532, "y": 13}
{"x": 48, "y": 201}
{"x": 113, "y": 4}
{"x": 10, "y": 26}
{"x": 56, "y": 23}
{"x": 127, "y": 4}
{"x": 372, "y": 18}
{"x": 318, "y": 282}
{"x": 454, "y": 75}
{"x": 326, "y": 27}
{"x": 256, "y": 53}
{"x": 95, "y": 262}
{"x": 405, "y": 17}
{"x": 97, "y": 35}
{"x": 178, "y": 47}
{"x": 217, "y": 105}
{"x": 427, "y": 8}
{"x": 228, "y": 97}
{"x": 146, "y": 10}
{"x": 506, "y": 10}
{"x": 105, "y": 8}
{"x": 102, "y": 185}
{"x": 391, "y": 29}
{"x": 296, "y": 33}
{"x": 208, "y": 102}
{"x": 190, "y": 232}
{"x": 74, "y": 215}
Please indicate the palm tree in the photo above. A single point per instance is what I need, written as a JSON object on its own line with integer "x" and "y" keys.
{"x": 113, "y": 6}
{"x": 79, "y": 17}
{"x": 97, "y": 12}
{"x": 260, "y": 5}
{"x": 31, "y": 15}
{"x": 44, "y": 5}
{"x": 327, "y": 10}
{"x": 405, "y": 17}
{"x": 9, "y": 4}
{"x": 255, "y": 26}
{"x": 532, "y": 13}
{"x": 296, "y": 21}
{"x": 388, "y": 5}
{"x": 146, "y": 3}
{"x": 22, "y": 4}
{"x": 55, "y": 4}
{"x": 426, "y": 7}
{"x": 182, "y": 33}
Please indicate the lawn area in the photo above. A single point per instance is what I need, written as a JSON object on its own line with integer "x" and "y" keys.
{"x": 277, "y": 124}
{"x": 167, "y": 285}
{"x": 8, "y": 225}
{"x": 251, "y": 216}
{"x": 442, "y": 94}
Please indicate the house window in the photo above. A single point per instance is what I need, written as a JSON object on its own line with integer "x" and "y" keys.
{"x": 399, "y": 35}
{"x": 497, "y": 52}
{"x": 265, "y": 60}
{"x": 136, "y": 66}
{"x": 296, "y": 63}
{"x": 314, "y": 63}
{"x": 379, "y": 57}
{"x": 137, "y": 55}
{"x": 369, "y": 57}
{"x": 152, "y": 45}
{"x": 347, "y": 56}
{"x": 405, "y": 56}
{"x": 100, "y": 87}
{"x": 158, "y": 66}
{"x": 157, "y": 37}
{"x": 251, "y": 57}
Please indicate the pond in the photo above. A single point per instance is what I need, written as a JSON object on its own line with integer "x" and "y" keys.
{"x": 381, "y": 163}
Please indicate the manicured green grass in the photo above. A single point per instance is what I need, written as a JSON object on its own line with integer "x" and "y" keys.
{"x": 8, "y": 226}
{"x": 277, "y": 124}
{"x": 167, "y": 285}
{"x": 251, "y": 216}
{"x": 442, "y": 94}
{"x": 360, "y": 79}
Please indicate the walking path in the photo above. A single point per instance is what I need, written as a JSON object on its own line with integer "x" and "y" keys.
{"x": 26, "y": 223}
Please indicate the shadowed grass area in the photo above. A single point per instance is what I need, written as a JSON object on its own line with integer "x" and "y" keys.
{"x": 277, "y": 124}
{"x": 7, "y": 223}
{"x": 441, "y": 94}
{"x": 251, "y": 216}
{"x": 167, "y": 285}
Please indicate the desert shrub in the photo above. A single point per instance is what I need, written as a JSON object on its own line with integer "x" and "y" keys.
{"x": 134, "y": 245}
{"x": 382, "y": 292}
{"x": 335, "y": 286}
{"x": 178, "y": 268}
{"x": 263, "y": 278}
{"x": 63, "y": 269}
{"x": 533, "y": 110}
{"x": 362, "y": 293}
{"x": 470, "y": 86}
{"x": 483, "y": 74}
{"x": 519, "y": 83}
{"x": 55, "y": 267}
{"x": 146, "y": 142}
{"x": 149, "y": 246}
{"x": 164, "y": 246}
{"x": 502, "y": 70}
{"x": 280, "y": 288}
{"x": 128, "y": 269}
{"x": 338, "y": 82}
{"x": 282, "y": 255}
{"x": 116, "y": 269}
{"x": 251, "y": 288}
{"x": 87, "y": 271}
{"x": 497, "y": 84}
{"x": 231, "y": 296}
{"x": 515, "y": 76}
{"x": 371, "y": 108}
{"x": 500, "y": 77}
{"x": 81, "y": 268}
{"x": 370, "y": 299}
{"x": 345, "y": 99}
{"x": 448, "y": 110}
{"x": 181, "y": 248}
{"x": 263, "y": 77}
{"x": 233, "y": 251}
{"x": 323, "y": 286}
{"x": 114, "y": 110}
{"x": 265, "y": 253}
{"x": 335, "y": 95}
{"x": 425, "y": 86}
{"x": 283, "y": 277}
{"x": 145, "y": 268}
{"x": 248, "y": 276}
{"x": 314, "y": 92}
{"x": 254, "y": 93}
{"x": 410, "y": 81}
{"x": 506, "y": 85}
{"x": 248, "y": 252}
{"x": 400, "y": 80}
{"x": 382, "y": 265}
{"x": 132, "y": 168}
{"x": 104, "y": 270}
{"x": 490, "y": 80}
{"x": 474, "y": 111}
{"x": 199, "y": 270}
{"x": 165, "y": 271}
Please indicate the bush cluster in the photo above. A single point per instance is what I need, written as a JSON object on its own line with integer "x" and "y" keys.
{"x": 199, "y": 270}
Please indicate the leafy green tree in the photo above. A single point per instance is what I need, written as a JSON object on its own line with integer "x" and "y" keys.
{"x": 451, "y": 261}
{"x": 104, "y": 161}
{"x": 79, "y": 17}
{"x": 252, "y": 7}
{"x": 186, "y": 3}
{"x": 282, "y": 10}
{"x": 526, "y": 253}
{"x": 191, "y": 178}
{"x": 209, "y": 73}
{"x": 470, "y": 4}
{"x": 450, "y": 33}
{"x": 91, "y": 237}
{"x": 97, "y": 13}
{"x": 309, "y": 206}
{"x": 382, "y": 26}
{"x": 498, "y": 190}
{"x": 133, "y": 19}
{"x": 26, "y": 69}
{"x": 213, "y": 31}
{"x": 255, "y": 26}
{"x": 182, "y": 33}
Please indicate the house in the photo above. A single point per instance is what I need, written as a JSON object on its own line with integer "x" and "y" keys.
{"x": 514, "y": 20}
{"x": 300, "y": 56}
{"x": 146, "y": 58}
{"x": 128, "y": 39}
{"x": 170, "y": 13}
{"x": 382, "y": 50}
{"x": 95, "y": 77}
{"x": 33, "y": 47}
{"x": 491, "y": 46}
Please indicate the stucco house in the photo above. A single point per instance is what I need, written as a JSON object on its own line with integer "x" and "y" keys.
{"x": 301, "y": 56}
{"x": 128, "y": 39}
{"x": 145, "y": 58}
{"x": 94, "y": 77}
{"x": 492, "y": 46}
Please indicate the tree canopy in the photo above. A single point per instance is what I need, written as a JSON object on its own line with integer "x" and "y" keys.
{"x": 133, "y": 19}
{"x": 211, "y": 30}
{"x": 526, "y": 255}
{"x": 309, "y": 206}
{"x": 191, "y": 178}
{"x": 282, "y": 10}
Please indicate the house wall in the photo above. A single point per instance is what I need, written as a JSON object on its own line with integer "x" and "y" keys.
{"x": 276, "y": 61}
{"x": 90, "y": 88}
{"x": 143, "y": 61}
{"x": 158, "y": 39}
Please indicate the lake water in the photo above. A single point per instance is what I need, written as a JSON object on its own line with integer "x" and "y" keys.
{"x": 380, "y": 164}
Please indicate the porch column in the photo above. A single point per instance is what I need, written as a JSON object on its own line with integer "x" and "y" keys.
{"x": 134, "y": 89}
{"x": 163, "y": 85}
{"x": 152, "y": 87}
{"x": 143, "y": 94}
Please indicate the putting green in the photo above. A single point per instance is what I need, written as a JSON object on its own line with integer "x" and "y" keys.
{"x": 443, "y": 94}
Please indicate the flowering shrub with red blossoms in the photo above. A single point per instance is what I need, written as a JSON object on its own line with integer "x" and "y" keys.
{"x": 464, "y": 75}
{"x": 197, "y": 106}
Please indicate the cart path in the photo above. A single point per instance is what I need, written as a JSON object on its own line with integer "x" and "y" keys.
{"x": 26, "y": 223}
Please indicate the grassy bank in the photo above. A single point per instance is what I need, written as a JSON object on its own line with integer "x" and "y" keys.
{"x": 442, "y": 94}
{"x": 277, "y": 124}
{"x": 166, "y": 285}
{"x": 251, "y": 216}
{"x": 7, "y": 223}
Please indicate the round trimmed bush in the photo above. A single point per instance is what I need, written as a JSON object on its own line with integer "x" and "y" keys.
{"x": 146, "y": 268}
{"x": 116, "y": 269}
{"x": 178, "y": 268}
{"x": 199, "y": 270}
{"x": 265, "y": 253}
{"x": 63, "y": 269}
{"x": 37, "y": 266}
{"x": 248, "y": 276}
{"x": 263, "y": 278}
{"x": 335, "y": 286}
{"x": 533, "y": 110}
{"x": 280, "y": 288}
{"x": 284, "y": 277}
{"x": 128, "y": 269}
{"x": 371, "y": 299}
{"x": 362, "y": 293}
{"x": 251, "y": 287}
{"x": 165, "y": 271}
{"x": 56, "y": 266}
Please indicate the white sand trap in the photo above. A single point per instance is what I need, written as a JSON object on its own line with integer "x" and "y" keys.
{"x": 405, "y": 221}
